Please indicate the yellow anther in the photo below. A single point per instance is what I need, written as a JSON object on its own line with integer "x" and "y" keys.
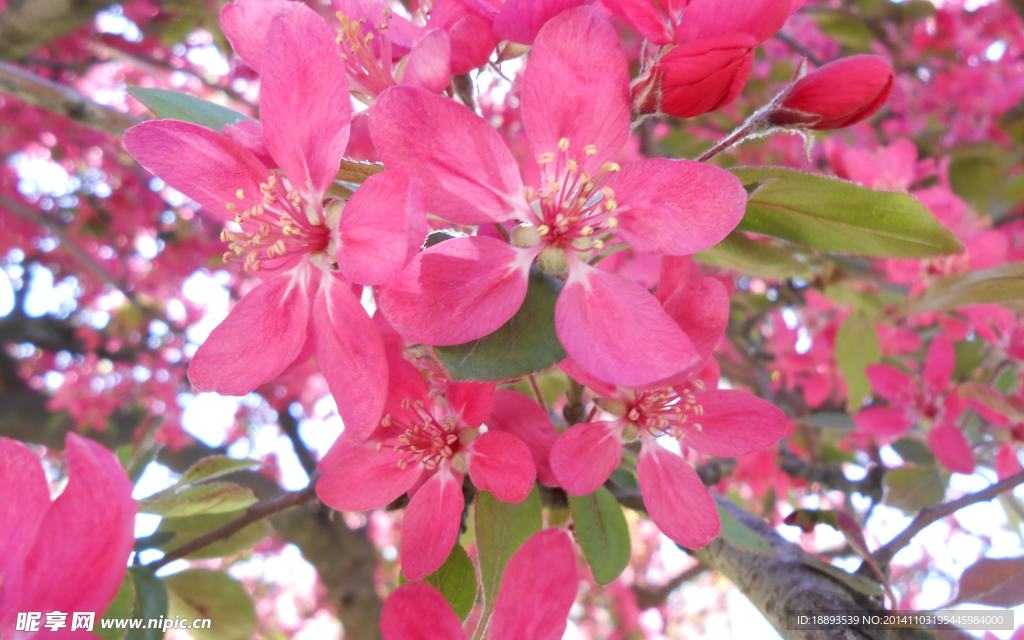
{"x": 697, "y": 426}
{"x": 572, "y": 166}
{"x": 563, "y": 144}
{"x": 238, "y": 219}
{"x": 543, "y": 229}
{"x": 609, "y": 206}
{"x": 546, "y": 158}
{"x": 610, "y": 166}
{"x": 608, "y": 192}
{"x": 612, "y": 222}
{"x": 232, "y": 206}
{"x": 587, "y": 230}
{"x": 240, "y": 195}
{"x": 339, "y": 39}
{"x": 590, "y": 150}
{"x": 599, "y": 244}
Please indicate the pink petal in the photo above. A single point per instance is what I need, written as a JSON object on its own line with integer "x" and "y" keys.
{"x": 26, "y": 497}
{"x": 675, "y": 207}
{"x": 81, "y": 551}
{"x": 674, "y": 276}
{"x": 430, "y": 526}
{"x": 587, "y": 379}
{"x": 616, "y": 330}
{"x": 245, "y": 23}
{"x": 262, "y": 335}
{"x": 700, "y": 76}
{"x": 204, "y": 165}
{"x": 520, "y": 20}
{"x": 733, "y": 423}
{"x": 470, "y": 402}
{"x": 577, "y": 57}
{"x": 472, "y": 41}
{"x": 458, "y": 290}
{"x": 361, "y": 478}
{"x": 537, "y": 590}
{"x": 351, "y": 356}
{"x": 502, "y": 464}
{"x": 304, "y": 101}
{"x": 892, "y": 384}
{"x": 951, "y": 448}
{"x": 938, "y": 366}
{"x": 465, "y": 170}
{"x": 885, "y": 421}
{"x": 371, "y": 237}
{"x": 249, "y": 134}
{"x": 416, "y": 611}
{"x": 522, "y": 417}
{"x": 429, "y": 66}
{"x": 675, "y": 497}
{"x": 708, "y": 18}
{"x": 702, "y": 312}
{"x": 585, "y": 455}
{"x": 1007, "y": 463}
{"x": 645, "y": 17}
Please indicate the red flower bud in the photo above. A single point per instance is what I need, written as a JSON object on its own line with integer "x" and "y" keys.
{"x": 837, "y": 95}
{"x": 696, "y": 77}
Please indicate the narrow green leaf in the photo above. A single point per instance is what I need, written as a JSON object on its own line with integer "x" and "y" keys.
{"x": 215, "y": 497}
{"x": 601, "y": 529}
{"x": 212, "y": 467}
{"x": 753, "y": 258}
{"x": 171, "y": 105}
{"x": 121, "y": 607}
{"x": 857, "y": 582}
{"x": 456, "y": 581}
{"x": 183, "y": 530}
{"x": 151, "y": 602}
{"x": 200, "y": 593}
{"x": 835, "y": 215}
{"x": 741, "y": 536}
{"x": 914, "y": 451}
{"x": 523, "y": 345}
{"x": 1003, "y": 285}
{"x": 857, "y": 347}
{"x": 501, "y": 528}
{"x": 913, "y": 488}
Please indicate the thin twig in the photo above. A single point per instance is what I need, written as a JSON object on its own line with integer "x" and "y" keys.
{"x": 929, "y": 515}
{"x": 253, "y": 514}
{"x": 290, "y": 426}
{"x": 799, "y": 48}
{"x": 537, "y": 394}
{"x": 647, "y": 597}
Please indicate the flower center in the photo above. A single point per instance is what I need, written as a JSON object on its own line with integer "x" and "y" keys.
{"x": 425, "y": 440}
{"x": 276, "y": 229}
{"x": 667, "y": 411}
{"x": 372, "y": 73}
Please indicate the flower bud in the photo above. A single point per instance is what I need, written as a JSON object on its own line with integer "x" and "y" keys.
{"x": 696, "y": 77}
{"x": 837, "y": 95}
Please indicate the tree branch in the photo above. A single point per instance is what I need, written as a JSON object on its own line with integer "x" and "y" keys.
{"x": 253, "y": 514}
{"x": 929, "y": 515}
{"x": 62, "y": 100}
{"x": 647, "y": 597}
{"x": 27, "y": 25}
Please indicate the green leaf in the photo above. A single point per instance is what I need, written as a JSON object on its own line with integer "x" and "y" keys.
{"x": 215, "y": 467}
{"x": 171, "y": 105}
{"x": 834, "y": 215}
{"x": 829, "y": 420}
{"x": 523, "y": 345}
{"x": 200, "y": 593}
{"x": 857, "y": 347}
{"x": 855, "y": 581}
{"x": 154, "y": 541}
{"x": 753, "y": 258}
{"x": 601, "y": 529}
{"x": 845, "y": 28}
{"x": 501, "y": 528}
{"x": 456, "y": 581}
{"x": 994, "y": 582}
{"x": 215, "y": 497}
{"x": 151, "y": 602}
{"x": 121, "y": 607}
{"x": 741, "y": 536}
{"x": 1003, "y": 285}
{"x": 913, "y": 488}
{"x": 914, "y": 451}
{"x": 185, "y": 529}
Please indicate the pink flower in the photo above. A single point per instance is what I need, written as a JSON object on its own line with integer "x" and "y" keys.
{"x": 426, "y": 447}
{"x": 538, "y": 587}
{"x": 467, "y": 287}
{"x": 310, "y": 247}
{"x": 689, "y": 21}
{"x": 689, "y": 409}
{"x": 69, "y": 554}
{"x": 910, "y": 402}
{"x": 380, "y": 49}
{"x": 837, "y": 95}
